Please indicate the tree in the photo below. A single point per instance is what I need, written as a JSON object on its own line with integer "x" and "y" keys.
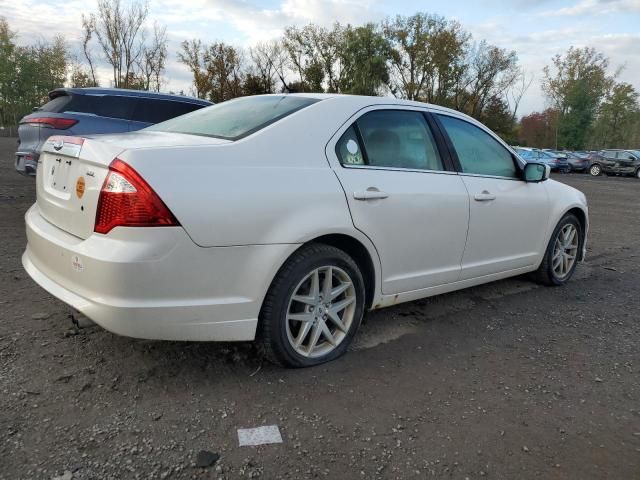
{"x": 223, "y": 64}
{"x": 364, "y": 59}
{"x": 617, "y": 119}
{"x": 576, "y": 84}
{"x": 120, "y": 34}
{"x": 491, "y": 71}
{"x": 153, "y": 58}
{"x": 28, "y": 73}
{"x": 314, "y": 53}
{"x": 539, "y": 129}
{"x": 192, "y": 55}
{"x": 7, "y": 72}
{"x": 426, "y": 58}
{"x": 269, "y": 62}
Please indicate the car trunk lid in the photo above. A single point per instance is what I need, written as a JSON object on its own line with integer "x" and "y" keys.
{"x": 72, "y": 171}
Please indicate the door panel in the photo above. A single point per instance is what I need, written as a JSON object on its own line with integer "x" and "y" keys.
{"x": 507, "y": 232}
{"x": 508, "y": 216}
{"x": 400, "y": 196}
{"x": 419, "y": 229}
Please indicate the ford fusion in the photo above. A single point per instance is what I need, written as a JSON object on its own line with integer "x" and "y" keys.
{"x": 284, "y": 218}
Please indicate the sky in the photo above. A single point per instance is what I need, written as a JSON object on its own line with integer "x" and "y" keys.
{"x": 535, "y": 29}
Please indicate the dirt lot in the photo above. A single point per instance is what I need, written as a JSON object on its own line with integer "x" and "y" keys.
{"x": 508, "y": 380}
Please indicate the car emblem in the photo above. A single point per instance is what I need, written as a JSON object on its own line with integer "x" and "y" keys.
{"x": 57, "y": 145}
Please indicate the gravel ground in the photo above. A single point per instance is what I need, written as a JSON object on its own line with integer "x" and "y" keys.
{"x": 508, "y": 380}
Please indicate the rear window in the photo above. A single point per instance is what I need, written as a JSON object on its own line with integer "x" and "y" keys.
{"x": 57, "y": 105}
{"x": 234, "y": 119}
{"x": 156, "y": 111}
{"x": 111, "y": 106}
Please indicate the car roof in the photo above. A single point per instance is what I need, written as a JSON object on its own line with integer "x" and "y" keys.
{"x": 123, "y": 92}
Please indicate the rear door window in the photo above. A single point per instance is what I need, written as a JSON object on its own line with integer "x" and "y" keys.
{"x": 392, "y": 138}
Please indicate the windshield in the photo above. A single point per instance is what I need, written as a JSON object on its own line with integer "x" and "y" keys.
{"x": 235, "y": 119}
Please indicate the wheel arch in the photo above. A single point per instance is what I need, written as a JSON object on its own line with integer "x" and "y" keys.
{"x": 360, "y": 254}
{"x": 581, "y": 215}
{"x": 366, "y": 259}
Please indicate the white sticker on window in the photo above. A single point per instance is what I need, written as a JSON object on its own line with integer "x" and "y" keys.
{"x": 352, "y": 147}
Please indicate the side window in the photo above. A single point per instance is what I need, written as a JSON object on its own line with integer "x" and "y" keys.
{"x": 110, "y": 106}
{"x": 348, "y": 149}
{"x": 478, "y": 151}
{"x": 156, "y": 111}
{"x": 398, "y": 139}
{"x": 611, "y": 155}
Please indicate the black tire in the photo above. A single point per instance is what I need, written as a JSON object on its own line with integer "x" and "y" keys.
{"x": 272, "y": 330}
{"x": 545, "y": 273}
{"x": 637, "y": 175}
{"x": 595, "y": 170}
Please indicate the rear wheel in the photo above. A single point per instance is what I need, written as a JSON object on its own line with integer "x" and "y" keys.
{"x": 595, "y": 170}
{"x": 313, "y": 308}
{"x": 561, "y": 256}
{"x": 638, "y": 173}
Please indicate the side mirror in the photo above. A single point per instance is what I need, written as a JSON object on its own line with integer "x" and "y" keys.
{"x": 536, "y": 172}
{"x": 631, "y": 157}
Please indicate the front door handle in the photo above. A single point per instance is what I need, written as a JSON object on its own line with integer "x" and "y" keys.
{"x": 485, "y": 196}
{"x": 370, "y": 194}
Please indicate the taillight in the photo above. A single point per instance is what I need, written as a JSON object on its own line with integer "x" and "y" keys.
{"x": 50, "y": 122}
{"x": 126, "y": 200}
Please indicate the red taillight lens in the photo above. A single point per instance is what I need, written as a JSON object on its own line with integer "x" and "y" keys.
{"x": 126, "y": 200}
{"x": 50, "y": 122}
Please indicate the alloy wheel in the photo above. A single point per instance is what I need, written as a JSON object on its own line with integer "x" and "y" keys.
{"x": 321, "y": 311}
{"x": 595, "y": 170}
{"x": 565, "y": 251}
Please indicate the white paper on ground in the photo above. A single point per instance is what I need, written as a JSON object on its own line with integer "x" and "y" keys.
{"x": 259, "y": 435}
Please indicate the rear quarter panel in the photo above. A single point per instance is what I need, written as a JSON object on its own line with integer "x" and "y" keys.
{"x": 275, "y": 186}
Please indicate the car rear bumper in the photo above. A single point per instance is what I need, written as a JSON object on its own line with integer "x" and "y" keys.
{"x": 154, "y": 283}
{"x": 26, "y": 162}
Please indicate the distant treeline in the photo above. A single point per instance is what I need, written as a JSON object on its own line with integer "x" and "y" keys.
{"x": 419, "y": 57}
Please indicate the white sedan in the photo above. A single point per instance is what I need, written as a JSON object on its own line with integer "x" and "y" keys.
{"x": 283, "y": 218}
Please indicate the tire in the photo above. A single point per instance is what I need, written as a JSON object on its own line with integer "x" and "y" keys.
{"x": 595, "y": 170}
{"x": 281, "y": 324}
{"x": 637, "y": 175}
{"x": 546, "y": 273}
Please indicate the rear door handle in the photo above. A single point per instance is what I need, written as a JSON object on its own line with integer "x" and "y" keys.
{"x": 485, "y": 196}
{"x": 370, "y": 194}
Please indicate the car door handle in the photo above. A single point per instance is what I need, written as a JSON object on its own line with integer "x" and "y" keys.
{"x": 485, "y": 196}
{"x": 370, "y": 194}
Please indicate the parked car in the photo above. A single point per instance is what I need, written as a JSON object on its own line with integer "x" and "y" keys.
{"x": 577, "y": 162}
{"x": 83, "y": 111}
{"x": 557, "y": 163}
{"x": 283, "y": 218}
{"x": 615, "y": 162}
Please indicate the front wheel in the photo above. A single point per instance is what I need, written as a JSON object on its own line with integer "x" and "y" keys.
{"x": 638, "y": 173}
{"x": 595, "y": 170}
{"x": 561, "y": 257}
{"x": 313, "y": 308}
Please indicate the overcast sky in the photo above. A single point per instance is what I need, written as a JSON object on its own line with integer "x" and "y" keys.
{"x": 535, "y": 29}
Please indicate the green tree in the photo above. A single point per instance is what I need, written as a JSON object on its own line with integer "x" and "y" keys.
{"x": 575, "y": 84}
{"x": 426, "y": 57}
{"x": 617, "y": 124}
{"x": 364, "y": 58}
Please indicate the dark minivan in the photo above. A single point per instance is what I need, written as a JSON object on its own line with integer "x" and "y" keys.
{"x": 85, "y": 111}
